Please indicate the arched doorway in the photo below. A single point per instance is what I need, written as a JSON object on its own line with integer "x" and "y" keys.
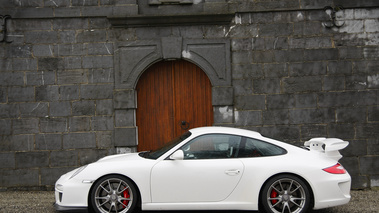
{"x": 172, "y": 97}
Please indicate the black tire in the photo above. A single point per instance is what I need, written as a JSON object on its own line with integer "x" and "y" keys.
{"x": 285, "y": 193}
{"x": 113, "y": 193}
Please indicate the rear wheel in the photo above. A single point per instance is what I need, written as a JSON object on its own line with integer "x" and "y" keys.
{"x": 113, "y": 193}
{"x": 285, "y": 194}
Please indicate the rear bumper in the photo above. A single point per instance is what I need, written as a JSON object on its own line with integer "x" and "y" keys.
{"x": 70, "y": 208}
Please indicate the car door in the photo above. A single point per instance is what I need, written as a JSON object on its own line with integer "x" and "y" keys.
{"x": 208, "y": 173}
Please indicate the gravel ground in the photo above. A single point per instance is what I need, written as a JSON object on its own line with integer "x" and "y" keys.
{"x": 42, "y": 201}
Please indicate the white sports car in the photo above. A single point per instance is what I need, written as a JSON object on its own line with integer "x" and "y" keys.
{"x": 212, "y": 168}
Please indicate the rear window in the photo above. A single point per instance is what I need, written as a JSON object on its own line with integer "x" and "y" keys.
{"x": 257, "y": 148}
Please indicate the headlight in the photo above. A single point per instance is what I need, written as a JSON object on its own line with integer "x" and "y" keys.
{"x": 78, "y": 171}
{"x": 59, "y": 187}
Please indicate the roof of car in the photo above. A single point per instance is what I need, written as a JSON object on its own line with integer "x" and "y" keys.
{"x": 225, "y": 130}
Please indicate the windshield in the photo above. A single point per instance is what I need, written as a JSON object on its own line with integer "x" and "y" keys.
{"x": 155, "y": 154}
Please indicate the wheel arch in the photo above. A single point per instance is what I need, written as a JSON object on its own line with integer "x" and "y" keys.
{"x": 286, "y": 173}
{"x": 139, "y": 200}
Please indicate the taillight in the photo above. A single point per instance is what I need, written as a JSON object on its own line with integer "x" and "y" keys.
{"x": 336, "y": 169}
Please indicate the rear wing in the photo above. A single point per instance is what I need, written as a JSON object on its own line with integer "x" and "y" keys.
{"x": 329, "y": 146}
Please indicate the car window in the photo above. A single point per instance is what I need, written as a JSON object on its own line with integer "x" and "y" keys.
{"x": 256, "y": 148}
{"x": 212, "y": 146}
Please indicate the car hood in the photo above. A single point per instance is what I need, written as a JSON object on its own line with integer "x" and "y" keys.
{"x": 118, "y": 157}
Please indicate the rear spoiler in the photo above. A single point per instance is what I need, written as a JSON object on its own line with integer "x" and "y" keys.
{"x": 329, "y": 146}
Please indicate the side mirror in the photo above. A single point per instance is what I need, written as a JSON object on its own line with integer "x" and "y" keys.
{"x": 177, "y": 155}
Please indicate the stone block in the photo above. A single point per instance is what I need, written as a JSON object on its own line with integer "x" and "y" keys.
{"x": 223, "y": 114}
{"x": 275, "y": 117}
{"x": 79, "y": 124}
{"x": 276, "y": 70}
{"x": 50, "y": 175}
{"x": 262, "y": 56}
{"x": 105, "y": 139}
{"x": 48, "y": 141}
{"x": 266, "y": 86}
{"x": 309, "y": 116}
{"x": 42, "y": 50}
{"x": 292, "y": 55}
{"x": 11, "y": 78}
{"x": 280, "y": 101}
{"x": 17, "y": 143}
{"x": 248, "y": 118}
{"x": 369, "y": 130}
{"x": 350, "y": 53}
{"x": 25, "y": 177}
{"x": 5, "y": 126}
{"x": 101, "y": 75}
{"x": 373, "y": 113}
{"x": 60, "y": 109}
{"x": 79, "y": 140}
{"x": 276, "y": 29}
{"x": 306, "y": 100}
{"x": 347, "y": 99}
{"x": 71, "y": 49}
{"x": 53, "y": 125}
{"x": 243, "y": 71}
{"x": 7, "y": 160}
{"x": 373, "y": 146}
{"x": 351, "y": 115}
{"x": 368, "y": 165}
{"x": 32, "y": 159}
{"x": 40, "y": 78}
{"x": 93, "y": 92}
{"x": 373, "y": 81}
{"x": 172, "y": 47}
{"x": 64, "y": 158}
{"x": 87, "y": 156}
{"x": 47, "y": 93}
{"x": 284, "y": 133}
{"x": 20, "y": 94}
{"x": 89, "y": 36}
{"x": 242, "y": 87}
{"x": 310, "y": 131}
{"x": 22, "y": 64}
{"x": 70, "y": 24}
{"x": 222, "y": 96}
{"x": 340, "y": 68}
{"x": 102, "y": 123}
{"x": 25, "y": 126}
{"x": 125, "y": 137}
{"x": 97, "y": 62}
{"x": 67, "y": 36}
{"x": 244, "y": 44}
{"x": 124, "y": 118}
{"x": 124, "y": 99}
{"x": 250, "y": 102}
{"x": 307, "y": 69}
{"x": 351, "y": 164}
{"x": 72, "y": 62}
{"x": 38, "y": 109}
{"x": 72, "y": 77}
{"x": 355, "y": 148}
{"x": 334, "y": 83}
{"x": 104, "y": 107}
{"x": 9, "y": 110}
{"x": 83, "y": 108}
{"x": 36, "y": 37}
{"x": 320, "y": 54}
{"x": 69, "y": 92}
{"x": 243, "y": 57}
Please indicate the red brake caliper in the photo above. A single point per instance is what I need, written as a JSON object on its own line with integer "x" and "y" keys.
{"x": 273, "y": 195}
{"x": 126, "y": 195}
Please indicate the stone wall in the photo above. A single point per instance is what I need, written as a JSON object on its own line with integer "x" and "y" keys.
{"x": 292, "y": 78}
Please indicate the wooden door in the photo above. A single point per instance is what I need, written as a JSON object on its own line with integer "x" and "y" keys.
{"x": 172, "y": 97}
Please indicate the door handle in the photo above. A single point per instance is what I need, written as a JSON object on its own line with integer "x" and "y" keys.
{"x": 232, "y": 172}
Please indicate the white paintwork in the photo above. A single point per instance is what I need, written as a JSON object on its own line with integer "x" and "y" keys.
{"x": 166, "y": 184}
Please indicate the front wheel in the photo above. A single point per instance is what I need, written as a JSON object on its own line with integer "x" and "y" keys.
{"x": 113, "y": 193}
{"x": 286, "y": 194}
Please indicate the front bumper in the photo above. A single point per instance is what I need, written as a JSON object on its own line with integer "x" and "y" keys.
{"x": 70, "y": 209}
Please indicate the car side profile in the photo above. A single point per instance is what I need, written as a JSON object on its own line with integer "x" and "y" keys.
{"x": 212, "y": 168}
